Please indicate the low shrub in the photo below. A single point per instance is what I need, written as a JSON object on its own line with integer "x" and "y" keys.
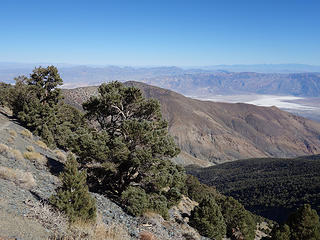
{"x": 26, "y": 133}
{"x": 198, "y": 191}
{"x": 11, "y": 153}
{"x": 240, "y": 223}
{"x": 147, "y": 236}
{"x": 136, "y": 200}
{"x": 60, "y": 155}
{"x": 42, "y": 144}
{"x": 4, "y": 149}
{"x": 30, "y": 148}
{"x": 47, "y": 216}
{"x": 158, "y": 203}
{"x": 13, "y": 133}
{"x": 36, "y": 157}
{"x": 19, "y": 177}
{"x": 17, "y": 155}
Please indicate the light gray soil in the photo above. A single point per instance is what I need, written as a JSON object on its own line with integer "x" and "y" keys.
{"x": 14, "y": 207}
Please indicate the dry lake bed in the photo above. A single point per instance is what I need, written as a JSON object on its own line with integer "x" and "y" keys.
{"x": 306, "y": 107}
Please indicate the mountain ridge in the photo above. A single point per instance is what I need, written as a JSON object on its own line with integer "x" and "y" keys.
{"x": 221, "y": 79}
{"x": 218, "y": 132}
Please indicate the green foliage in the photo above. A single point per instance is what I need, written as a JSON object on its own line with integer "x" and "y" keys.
{"x": 47, "y": 135}
{"x": 208, "y": 220}
{"x": 158, "y": 203}
{"x": 304, "y": 224}
{"x": 240, "y": 223}
{"x": 45, "y": 81}
{"x": 139, "y": 143}
{"x": 198, "y": 191}
{"x": 281, "y": 233}
{"x": 131, "y": 150}
{"x": 136, "y": 200}
{"x": 90, "y": 146}
{"x": 272, "y": 188}
{"x": 131, "y": 147}
{"x": 4, "y": 94}
{"x": 73, "y": 197}
{"x": 36, "y": 102}
{"x": 173, "y": 196}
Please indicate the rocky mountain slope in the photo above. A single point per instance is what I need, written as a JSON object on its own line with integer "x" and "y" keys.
{"x": 218, "y": 132}
{"x": 28, "y": 177}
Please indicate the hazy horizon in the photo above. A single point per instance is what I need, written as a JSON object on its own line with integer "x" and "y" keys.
{"x": 66, "y": 64}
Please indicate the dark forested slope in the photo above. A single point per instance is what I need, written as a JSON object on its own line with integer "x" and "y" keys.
{"x": 270, "y": 187}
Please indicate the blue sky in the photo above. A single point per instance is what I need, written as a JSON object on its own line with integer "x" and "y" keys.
{"x": 160, "y": 32}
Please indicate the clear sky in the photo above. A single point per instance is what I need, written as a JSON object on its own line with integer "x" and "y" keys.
{"x": 160, "y": 32}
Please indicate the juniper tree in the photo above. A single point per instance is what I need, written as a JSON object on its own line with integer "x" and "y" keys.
{"x": 73, "y": 197}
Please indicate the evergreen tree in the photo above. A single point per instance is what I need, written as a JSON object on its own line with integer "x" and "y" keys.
{"x": 4, "y": 94}
{"x": 198, "y": 191}
{"x": 47, "y": 135}
{"x": 304, "y": 224}
{"x": 46, "y": 80}
{"x": 73, "y": 197}
{"x": 208, "y": 220}
{"x": 240, "y": 223}
{"x": 281, "y": 233}
{"x": 139, "y": 145}
{"x": 36, "y": 102}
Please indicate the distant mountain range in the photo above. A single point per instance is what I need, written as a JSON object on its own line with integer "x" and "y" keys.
{"x": 285, "y": 79}
{"x": 219, "y": 132}
{"x": 226, "y": 83}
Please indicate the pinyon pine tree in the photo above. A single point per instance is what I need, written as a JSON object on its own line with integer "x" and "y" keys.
{"x": 73, "y": 197}
{"x": 139, "y": 145}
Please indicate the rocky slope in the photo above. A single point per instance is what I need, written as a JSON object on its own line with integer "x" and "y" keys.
{"x": 28, "y": 180}
{"x": 218, "y": 132}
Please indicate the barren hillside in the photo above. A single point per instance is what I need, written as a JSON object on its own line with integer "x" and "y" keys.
{"x": 219, "y": 132}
